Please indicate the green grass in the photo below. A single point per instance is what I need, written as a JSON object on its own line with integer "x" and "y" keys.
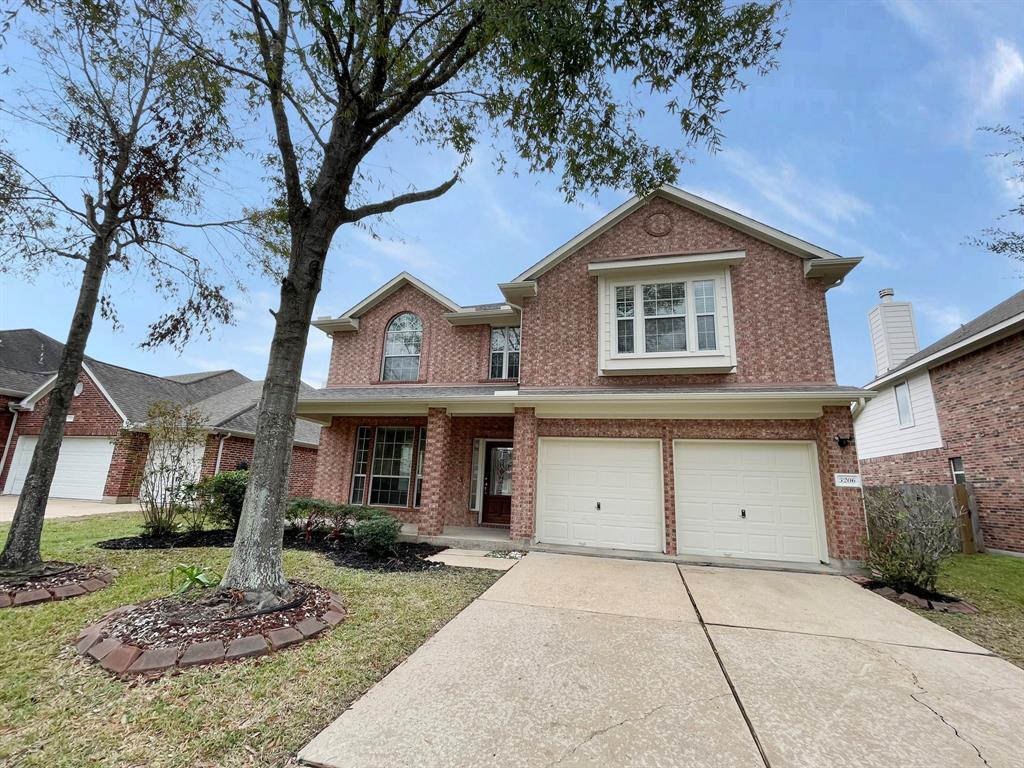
{"x": 56, "y": 710}
{"x": 994, "y": 584}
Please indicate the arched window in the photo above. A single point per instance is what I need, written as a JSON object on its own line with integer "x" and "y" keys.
{"x": 402, "y": 344}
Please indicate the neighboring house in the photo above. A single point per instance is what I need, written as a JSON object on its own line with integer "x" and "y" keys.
{"x": 662, "y": 382}
{"x": 105, "y": 443}
{"x": 952, "y": 412}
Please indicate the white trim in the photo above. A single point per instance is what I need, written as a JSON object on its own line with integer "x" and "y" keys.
{"x": 776, "y": 237}
{"x": 348, "y": 321}
{"x": 7, "y": 442}
{"x": 816, "y": 489}
{"x": 990, "y": 335}
{"x": 661, "y": 474}
{"x": 725, "y": 258}
{"x": 505, "y": 316}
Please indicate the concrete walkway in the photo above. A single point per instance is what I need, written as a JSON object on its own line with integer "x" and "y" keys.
{"x": 581, "y": 661}
{"x": 65, "y": 508}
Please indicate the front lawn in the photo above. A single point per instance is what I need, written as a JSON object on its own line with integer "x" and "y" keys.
{"x": 994, "y": 584}
{"x": 56, "y": 710}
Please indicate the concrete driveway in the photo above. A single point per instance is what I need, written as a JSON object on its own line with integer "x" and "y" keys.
{"x": 579, "y": 661}
{"x": 65, "y": 508}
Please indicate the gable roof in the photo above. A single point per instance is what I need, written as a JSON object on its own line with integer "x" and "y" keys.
{"x": 349, "y": 321}
{"x": 752, "y": 227}
{"x": 227, "y": 398}
{"x": 1000, "y": 321}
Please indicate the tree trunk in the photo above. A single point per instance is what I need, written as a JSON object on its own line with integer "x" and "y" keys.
{"x": 21, "y": 552}
{"x": 255, "y": 567}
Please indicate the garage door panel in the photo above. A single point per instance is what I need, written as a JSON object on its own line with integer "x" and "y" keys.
{"x": 622, "y": 475}
{"x": 774, "y": 482}
{"x": 82, "y": 467}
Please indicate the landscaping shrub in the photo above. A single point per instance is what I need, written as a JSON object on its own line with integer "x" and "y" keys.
{"x": 358, "y": 512}
{"x": 317, "y": 513}
{"x": 222, "y": 496}
{"x": 909, "y": 538}
{"x": 377, "y": 534}
{"x": 176, "y": 435}
{"x": 193, "y": 510}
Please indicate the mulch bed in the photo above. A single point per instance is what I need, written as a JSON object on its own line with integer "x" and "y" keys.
{"x": 58, "y": 581}
{"x": 167, "y": 634}
{"x": 935, "y": 601}
{"x": 342, "y": 552}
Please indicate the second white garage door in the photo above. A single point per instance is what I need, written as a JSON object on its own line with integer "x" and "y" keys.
{"x": 82, "y": 466}
{"x": 600, "y": 493}
{"x": 756, "y": 499}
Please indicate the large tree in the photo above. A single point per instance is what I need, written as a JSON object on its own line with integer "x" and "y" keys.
{"x": 561, "y": 85}
{"x": 146, "y": 118}
{"x": 1007, "y": 238}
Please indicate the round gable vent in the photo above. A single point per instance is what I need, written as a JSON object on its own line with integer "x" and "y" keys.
{"x": 78, "y": 388}
{"x": 658, "y": 224}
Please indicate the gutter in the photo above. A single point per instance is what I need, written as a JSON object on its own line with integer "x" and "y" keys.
{"x": 220, "y": 453}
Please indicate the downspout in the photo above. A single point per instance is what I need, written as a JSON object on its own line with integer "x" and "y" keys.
{"x": 10, "y": 437}
{"x": 220, "y": 452}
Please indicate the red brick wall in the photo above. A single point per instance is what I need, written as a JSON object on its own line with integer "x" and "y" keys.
{"x": 239, "y": 449}
{"x": 94, "y": 417}
{"x": 980, "y": 404}
{"x": 127, "y": 464}
{"x": 450, "y": 354}
{"x": 781, "y": 324}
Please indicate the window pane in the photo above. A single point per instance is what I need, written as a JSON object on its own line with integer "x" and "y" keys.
{"x": 474, "y": 481}
{"x": 420, "y": 451}
{"x": 624, "y": 301}
{"x": 390, "y": 491}
{"x": 903, "y": 410}
{"x": 665, "y": 334}
{"x": 392, "y": 452}
{"x": 704, "y": 296}
{"x": 497, "y": 339}
{"x": 497, "y": 363}
{"x": 513, "y": 365}
{"x": 662, "y": 299}
{"x": 358, "y": 488}
{"x": 706, "y": 332}
{"x": 401, "y": 368}
{"x": 360, "y": 465}
{"x": 513, "y": 339}
{"x": 625, "y": 337}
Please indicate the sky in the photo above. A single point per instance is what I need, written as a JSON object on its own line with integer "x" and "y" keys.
{"x": 864, "y": 141}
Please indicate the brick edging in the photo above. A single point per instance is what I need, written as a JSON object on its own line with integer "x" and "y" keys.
{"x": 125, "y": 660}
{"x": 96, "y": 581}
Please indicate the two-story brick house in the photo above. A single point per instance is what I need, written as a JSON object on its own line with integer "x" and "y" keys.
{"x": 662, "y": 382}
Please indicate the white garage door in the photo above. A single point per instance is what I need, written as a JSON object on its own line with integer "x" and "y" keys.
{"x": 756, "y": 500}
{"x": 82, "y": 466}
{"x": 600, "y": 493}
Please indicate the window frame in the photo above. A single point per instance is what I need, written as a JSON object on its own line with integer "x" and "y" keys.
{"x": 409, "y": 477}
{"x": 639, "y": 318}
{"x": 953, "y": 471}
{"x": 384, "y": 350}
{"x": 362, "y": 434}
{"x": 421, "y": 449}
{"x": 505, "y": 352}
{"x": 909, "y": 403}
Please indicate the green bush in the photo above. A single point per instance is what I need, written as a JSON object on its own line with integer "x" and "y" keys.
{"x": 909, "y": 537}
{"x": 222, "y": 496}
{"x": 377, "y": 534}
{"x": 358, "y": 512}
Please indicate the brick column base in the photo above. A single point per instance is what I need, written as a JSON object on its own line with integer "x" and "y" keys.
{"x": 524, "y": 473}
{"x": 333, "y": 478}
{"x": 436, "y": 472}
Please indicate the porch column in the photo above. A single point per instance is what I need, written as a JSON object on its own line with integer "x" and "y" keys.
{"x": 436, "y": 471}
{"x": 334, "y": 458}
{"x": 844, "y": 507}
{"x": 524, "y": 473}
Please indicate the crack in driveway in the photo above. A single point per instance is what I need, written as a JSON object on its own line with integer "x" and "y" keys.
{"x": 630, "y": 720}
{"x": 922, "y": 690}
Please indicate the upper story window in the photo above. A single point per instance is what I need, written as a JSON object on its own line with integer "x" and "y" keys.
{"x": 904, "y": 412}
{"x": 663, "y": 320}
{"x": 504, "y": 353}
{"x": 402, "y": 344}
{"x": 666, "y": 315}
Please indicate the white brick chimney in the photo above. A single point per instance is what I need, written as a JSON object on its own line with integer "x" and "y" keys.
{"x": 893, "y": 332}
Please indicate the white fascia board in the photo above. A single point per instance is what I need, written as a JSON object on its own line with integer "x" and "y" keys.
{"x": 28, "y": 403}
{"x": 725, "y": 258}
{"x": 331, "y": 325}
{"x": 776, "y": 237}
{"x": 518, "y": 290}
{"x": 506, "y": 315}
{"x": 982, "y": 338}
{"x": 106, "y": 395}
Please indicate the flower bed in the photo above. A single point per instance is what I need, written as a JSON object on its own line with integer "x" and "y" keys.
{"x": 57, "y": 581}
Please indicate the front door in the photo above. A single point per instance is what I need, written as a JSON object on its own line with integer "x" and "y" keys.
{"x": 497, "y": 509}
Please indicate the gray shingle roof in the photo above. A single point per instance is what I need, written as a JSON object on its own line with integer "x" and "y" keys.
{"x": 28, "y": 359}
{"x": 1000, "y": 312}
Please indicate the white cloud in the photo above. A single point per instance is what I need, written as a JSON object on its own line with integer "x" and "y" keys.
{"x": 942, "y": 317}
{"x": 408, "y": 255}
{"x": 994, "y": 81}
